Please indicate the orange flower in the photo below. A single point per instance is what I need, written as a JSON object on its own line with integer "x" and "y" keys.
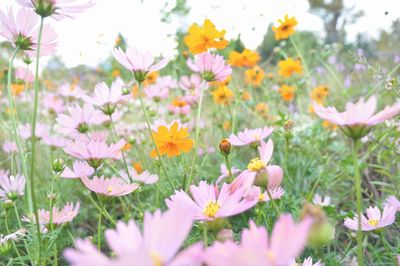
{"x": 115, "y": 73}
{"x": 262, "y": 109}
{"x": 17, "y": 88}
{"x": 289, "y": 66}
{"x": 285, "y": 28}
{"x": 254, "y": 76}
{"x": 202, "y": 38}
{"x": 172, "y": 141}
{"x": 328, "y": 125}
{"x": 246, "y": 96}
{"x": 287, "y": 92}
{"x": 319, "y": 93}
{"x": 247, "y": 58}
{"x": 127, "y": 147}
{"x": 226, "y": 125}
{"x": 220, "y": 83}
{"x": 222, "y": 95}
{"x": 138, "y": 167}
{"x": 151, "y": 78}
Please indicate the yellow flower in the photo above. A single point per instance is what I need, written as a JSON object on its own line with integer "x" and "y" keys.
{"x": 151, "y": 78}
{"x": 138, "y": 167}
{"x": 115, "y": 73}
{"x": 246, "y": 96}
{"x": 135, "y": 91}
{"x": 202, "y": 38}
{"x": 319, "y": 93}
{"x": 172, "y": 141}
{"x": 262, "y": 109}
{"x": 285, "y": 28}
{"x": 220, "y": 83}
{"x": 289, "y": 66}
{"x": 178, "y": 102}
{"x": 226, "y": 125}
{"x": 328, "y": 125}
{"x": 287, "y": 92}
{"x": 222, "y": 95}
{"x": 247, "y": 58}
{"x": 17, "y": 88}
{"x": 127, "y": 147}
{"x": 254, "y": 76}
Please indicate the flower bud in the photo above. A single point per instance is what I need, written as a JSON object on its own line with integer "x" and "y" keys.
{"x": 58, "y": 165}
{"x": 225, "y": 147}
{"x": 7, "y": 204}
{"x": 225, "y": 234}
{"x": 288, "y": 125}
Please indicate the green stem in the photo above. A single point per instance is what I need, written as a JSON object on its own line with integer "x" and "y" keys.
{"x": 293, "y": 42}
{"x": 228, "y": 165}
{"x": 33, "y": 137}
{"x": 359, "y": 203}
{"x": 104, "y": 211}
{"x": 205, "y": 236}
{"x": 122, "y": 152}
{"x": 8, "y": 232}
{"x": 387, "y": 247}
{"x": 99, "y": 227}
{"x": 273, "y": 202}
{"x": 152, "y": 137}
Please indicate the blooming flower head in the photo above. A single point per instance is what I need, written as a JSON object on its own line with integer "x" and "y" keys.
{"x": 358, "y": 117}
{"x": 6, "y": 240}
{"x": 10, "y": 147}
{"x": 254, "y": 76}
{"x": 143, "y": 177}
{"x": 41, "y": 132}
{"x": 285, "y": 28}
{"x": 179, "y": 107}
{"x": 156, "y": 92}
{"x": 287, "y": 92}
{"x": 246, "y": 58}
{"x": 208, "y": 203}
{"x": 22, "y": 32}
{"x": 319, "y": 93}
{"x": 130, "y": 246}
{"x": 79, "y": 169}
{"x": 11, "y": 186}
{"x": 375, "y": 219}
{"x": 276, "y": 193}
{"x": 191, "y": 85}
{"x": 202, "y": 38}
{"x": 393, "y": 201}
{"x": 70, "y": 91}
{"x": 24, "y": 75}
{"x": 289, "y": 67}
{"x": 57, "y": 9}
{"x": 109, "y": 187}
{"x": 250, "y": 136}
{"x": 225, "y": 173}
{"x": 172, "y": 141}
{"x": 53, "y": 103}
{"x": 211, "y": 67}
{"x": 307, "y": 262}
{"x": 318, "y": 200}
{"x": 59, "y": 216}
{"x": 138, "y": 62}
{"x": 94, "y": 152}
{"x": 222, "y": 95}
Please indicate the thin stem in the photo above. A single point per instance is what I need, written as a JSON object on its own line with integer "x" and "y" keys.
{"x": 152, "y": 137}
{"x": 273, "y": 202}
{"x": 293, "y": 42}
{"x": 122, "y": 152}
{"x": 99, "y": 227}
{"x": 359, "y": 203}
{"x": 33, "y": 137}
{"x": 8, "y": 232}
{"x": 103, "y": 210}
{"x": 205, "y": 234}
{"x": 228, "y": 165}
{"x": 387, "y": 247}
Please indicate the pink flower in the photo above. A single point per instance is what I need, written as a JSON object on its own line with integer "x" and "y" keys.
{"x": 54, "y": 141}
{"x": 24, "y": 75}
{"x": 22, "y": 31}
{"x": 10, "y": 147}
{"x": 211, "y": 67}
{"x": 258, "y": 249}
{"x": 317, "y": 200}
{"x": 179, "y": 107}
{"x": 208, "y": 203}
{"x": 375, "y": 219}
{"x": 79, "y": 169}
{"x": 145, "y": 177}
{"x": 42, "y": 131}
{"x": 276, "y": 193}
{"x": 393, "y": 201}
{"x": 225, "y": 173}
{"x": 53, "y": 103}
{"x": 71, "y": 91}
{"x": 159, "y": 243}
{"x": 94, "y": 152}
{"x": 156, "y": 92}
{"x": 57, "y": 9}
{"x": 358, "y": 117}
{"x": 192, "y": 88}
{"x": 307, "y": 262}
{"x": 65, "y": 215}
{"x": 250, "y": 136}
{"x": 4, "y": 239}
{"x": 140, "y": 63}
{"x": 11, "y": 186}
{"x": 110, "y": 187}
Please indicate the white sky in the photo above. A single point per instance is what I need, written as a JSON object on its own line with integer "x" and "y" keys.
{"x": 89, "y": 37}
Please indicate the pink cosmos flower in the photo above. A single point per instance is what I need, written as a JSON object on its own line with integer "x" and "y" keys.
{"x": 307, "y": 262}
{"x": 132, "y": 247}
{"x": 57, "y": 9}
{"x": 65, "y": 215}
{"x": 4, "y": 239}
{"x": 22, "y": 31}
{"x": 145, "y": 177}
{"x": 156, "y": 92}
{"x": 11, "y": 186}
{"x": 24, "y": 75}
{"x": 54, "y": 141}
{"x": 393, "y": 201}
{"x": 250, "y": 136}
{"x": 208, "y": 203}
{"x": 191, "y": 87}
{"x": 25, "y": 131}
{"x": 211, "y": 67}
{"x": 317, "y": 200}
{"x": 179, "y": 107}
{"x": 167, "y": 81}
{"x": 78, "y": 120}
{"x": 140, "y": 63}
{"x": 80, "y": 169}
{"x": 110, "y": 187}
{"x": 375, "y": 220}
{"x": 94, "y": 152}
{"x": 53, "y": 103}
{"x": 10, "y": 147}
{"x": 358, "y": 117}
{"x": 70, "y": 91}
{"x": 276, "y": 193}
{"x": 258, "y": 249}
{"x": 225, "y": 173}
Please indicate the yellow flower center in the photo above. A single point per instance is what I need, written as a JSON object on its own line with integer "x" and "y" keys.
{"x": 156, "y": 258}
{"x": 256, "y": 165}
{"x": 373, "y": 222}
{"x": 270, "y": 256}
{"x": 211, "y": 209}
{"x": 256, "y": 137}
{"x": 261, "y": 197}
{"x": 109, "y": 189}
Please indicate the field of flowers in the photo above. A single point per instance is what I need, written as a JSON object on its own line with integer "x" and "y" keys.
{"x": 216, "y": 157}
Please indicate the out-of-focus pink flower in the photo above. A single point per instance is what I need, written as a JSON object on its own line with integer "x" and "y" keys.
{"x": 79, "y": 120}
{"x": 22, "y": 31}
{"x": 54, "y": 141}
{"x": 307, "y": 262}
{"x": 57, "y": 9}
{"x": 11, "y": 186}
{"x": 156, "y": 92}
{"x": 375, "y": 220}
{"x": 79, "y": 169}
{"x": 257, "y": 248}
{"x": 145, "y": 177}
{"x": 24, "y": 74}
{"x": 393, "y": 201}
{"x": 10, "y": 147}
{"x": 208, "y": 203}
{"x": 276, "y": 193}
{"x": 53, "y": 103}
{"x": 25, "y": 131}
{"x": 65, "y": 215}
{"x": 94, "y": 152}
{"x": 179, "y": 107}
{"x": 70, "y": 91}
{"x": 211, "y": 67}
{"x": 317, "y": 200}
{"x": 140, "y": 63}
{"x": 358, "y": 117}
{"x": 132, "y": 247}
{"x": 225, "y": 173}
{"x": 250, "y": 136}
{"x": 110, "y": 187}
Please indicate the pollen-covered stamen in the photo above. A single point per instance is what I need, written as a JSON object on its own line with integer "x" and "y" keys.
{"x": 256, "y": 165}
{"x": 211, "y": 209}
{"x": 373, "y": 222}
{"x": 110, "y": 189}
{"x": 156, "y": 258}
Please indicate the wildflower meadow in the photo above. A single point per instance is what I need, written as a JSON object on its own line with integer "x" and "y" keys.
{"x": 220, "y": 155}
